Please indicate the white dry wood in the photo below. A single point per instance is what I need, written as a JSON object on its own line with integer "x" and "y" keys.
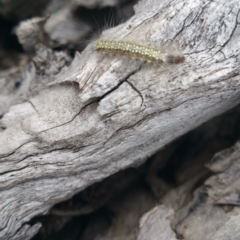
{"x": 155, "y": 225}
{"x": 223, "y": 187}
{"x": 106, "y": 113}
{"x": 201, "y": 219}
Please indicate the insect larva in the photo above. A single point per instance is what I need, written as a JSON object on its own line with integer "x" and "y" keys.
{"x": 152, "y": 55}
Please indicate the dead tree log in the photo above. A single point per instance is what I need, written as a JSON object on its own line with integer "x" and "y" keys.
{"x": 105, "y": 113}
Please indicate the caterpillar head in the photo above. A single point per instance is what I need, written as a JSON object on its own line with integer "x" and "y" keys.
{"x": 174, "y": 58}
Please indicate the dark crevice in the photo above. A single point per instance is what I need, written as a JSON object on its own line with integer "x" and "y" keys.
{"x": 135, "y": 89}
{"x": 4, "y": 156}
{"x": 14, "y": 170}
{"x": 29, "y": 101}
{"x": 233, "y": 31}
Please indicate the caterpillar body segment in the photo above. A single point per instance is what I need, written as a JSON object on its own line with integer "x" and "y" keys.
{"x": 156, "y": 56}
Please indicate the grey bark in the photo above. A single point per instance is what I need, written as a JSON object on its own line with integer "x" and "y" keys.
{"x": 105, "y": 113}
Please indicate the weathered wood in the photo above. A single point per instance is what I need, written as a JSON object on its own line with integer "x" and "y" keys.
{"x": 155, "y": 224}
{"x": 106, "y": 113}
{"x": 214, "y": 220}
{"x": 223, "y": 187}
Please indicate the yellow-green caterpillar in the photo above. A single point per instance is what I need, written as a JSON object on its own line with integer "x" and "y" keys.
{"x": 156, "y": 56}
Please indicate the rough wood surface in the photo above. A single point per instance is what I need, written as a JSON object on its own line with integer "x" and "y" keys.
{"x": 155, "y": 224}
{"x": 223, "y": 187}
{"x": 106, "y": 113}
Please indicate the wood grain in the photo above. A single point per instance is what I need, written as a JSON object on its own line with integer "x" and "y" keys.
{"x": 103, "y": 114}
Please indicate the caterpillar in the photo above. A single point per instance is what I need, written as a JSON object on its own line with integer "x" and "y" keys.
{"x": 156, "y": 56}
